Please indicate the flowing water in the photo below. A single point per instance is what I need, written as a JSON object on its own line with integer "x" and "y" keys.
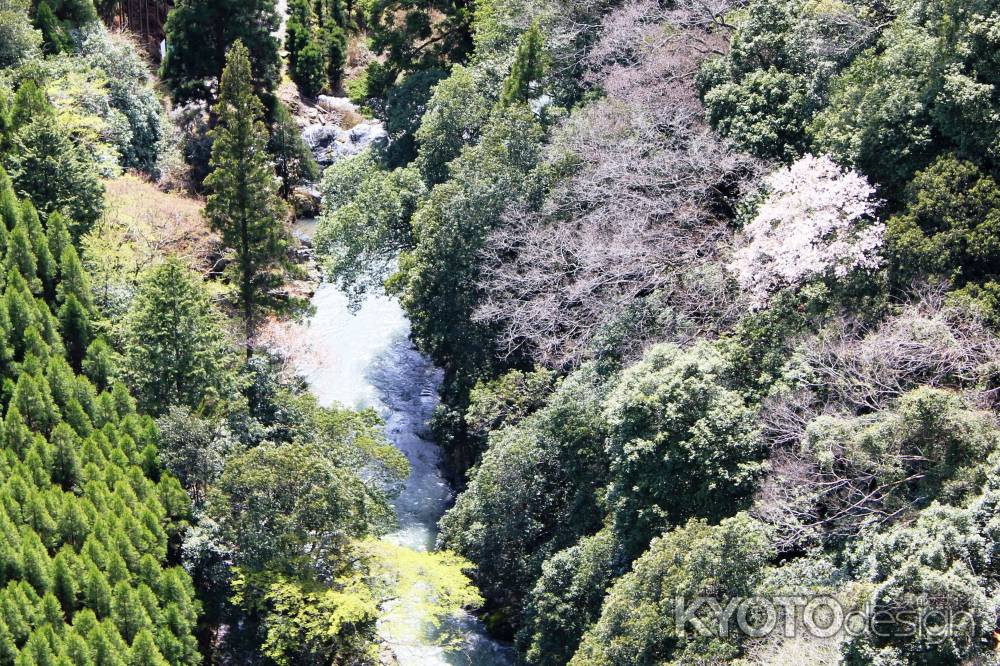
{"x": 365, "y": 359}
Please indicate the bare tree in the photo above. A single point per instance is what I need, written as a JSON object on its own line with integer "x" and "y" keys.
{"x": 643, "y": 210}
{"x": 929, "y": 342}
{"x": 850, "y": 378}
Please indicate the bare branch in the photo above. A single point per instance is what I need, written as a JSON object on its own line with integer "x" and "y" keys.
{"x": 643, "y": 210}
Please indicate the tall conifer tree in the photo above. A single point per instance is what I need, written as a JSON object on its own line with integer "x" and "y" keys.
{"x": 199, "y": 32}
{"x": 244, "y": 206}
{"x": 174, "y": 345}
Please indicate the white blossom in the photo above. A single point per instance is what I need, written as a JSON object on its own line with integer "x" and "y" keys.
{"x": 818, "y": 220}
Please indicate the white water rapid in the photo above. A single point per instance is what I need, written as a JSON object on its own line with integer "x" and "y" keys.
{"x": 366, "y": 360}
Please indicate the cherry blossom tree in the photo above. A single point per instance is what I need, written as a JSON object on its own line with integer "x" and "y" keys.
{"x": 818, "y": 220}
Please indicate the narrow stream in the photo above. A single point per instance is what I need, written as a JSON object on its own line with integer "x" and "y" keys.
{"x": 365, "y": 359}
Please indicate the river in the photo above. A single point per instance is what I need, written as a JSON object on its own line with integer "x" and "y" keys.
{"x": 365, "y": 359}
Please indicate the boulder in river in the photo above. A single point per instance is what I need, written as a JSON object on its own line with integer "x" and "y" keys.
{"x": 330, "y": 143}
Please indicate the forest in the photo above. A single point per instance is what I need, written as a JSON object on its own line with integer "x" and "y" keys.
{"x": 713, "y": 287}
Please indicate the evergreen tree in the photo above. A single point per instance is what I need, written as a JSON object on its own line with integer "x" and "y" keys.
{"x": 144, "y": 651}
{"x": 21, "y": 258}
{"x": 5, "y": 119}
{"x": 101, "y": 363}
{"x": 66, "y": 470}
{"x": 8, "y": 648}
{"x": 57, "y": 232}
{"x": 127, "y": 611}
{"x": 54, "y": 35}
{"x": 73, "y": 280}
{"x": 35, "y": 403}
{"x": 104, "y": 642}
{"x": 335, "y": 44}
{"x": 30, "y": 103}
{"x": 75, "y": 327}
{"x": 244, "y": 207}
{"x": 73, "y": 524}
{"x": 310, "y": 72}
{"x": 298, "y": 31}
{"x": 10, "y": 212}
{"x": 332, "y": 14}
{"x": 199, "y": 33}
{"x": 40, "y": 247}
{"x": 294, "y": 162}
{"x": 76, "y": 649}
{"x": 527, "y": 69}
{"x": 96, "y": 591}
{"x": 411, "y": 36}
{"x": 175, "y": 349}
{"x": 64, "y": 580}
{"x": 37, "y": 566}
{"x": 52, "y": 171}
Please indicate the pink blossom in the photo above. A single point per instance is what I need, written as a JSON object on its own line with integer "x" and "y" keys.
{"x": 818, "y": 220}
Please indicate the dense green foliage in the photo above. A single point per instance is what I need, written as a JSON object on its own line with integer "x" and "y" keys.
{"x": 293, "y": 162}
{"x": 316, "y": 45}
{"x": 695, "y": 559}
{"x": 681, "y": 444}
{"x": 88, "y": 517}
{"x": 243, "y": 204}
{"x": 176, "y": 352}
{"x": 271, "y": 502}
{"x": 715, "y": 290}
{"x": 199, "y": 35}
{"x": 19, "y": 40}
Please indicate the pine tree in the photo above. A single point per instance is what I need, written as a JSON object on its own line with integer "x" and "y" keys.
{"x": 13, "y": 615}
{"x": 73, "y": 525}
{"x": 38, "y": 650}
{"x": 310, "y": 71}
{"x": 8, "y": 648}
{"x": 66, "y": 467}
{"x": 52, "y": 611}
{"x": 57, "y": 232}
{"x": 78, "y": 419}
{"x": 103, "y": 641}
{"x": 101, "y": 363}
{"x": 144, "y": 651}
{"x": 47, "y": 267}
{"x": 528, "y": 68}
{"x": 62, "y": 382}
{"x": 175, "y": 351}
{"x": 37, "y": 566}
{"x": 244, "y": 207}
{"x": 294, "y": 162}
{"x": 31, "y": 103}
{"x": 35, "y": 403}
{"x": 64, "y": 580}
{"x": 198, "y": 34}
{"x": 76, "y": 649}
{"x": 21, "y": 257}
{"x": 73, "y": 279}
{"x": 56, "y": 174}
{"x": 96, "y": 591}
{"x": 16, "y": 431}
{"x": 10, "y": 212}
{"x": 332, "y": 13}
{"x": 298, "y": 30}
{"x": 74, "y": 324}
{"x": 6, "y": 121}
{"x": 335, "y": 43}
{"x": 127, "y": 611}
